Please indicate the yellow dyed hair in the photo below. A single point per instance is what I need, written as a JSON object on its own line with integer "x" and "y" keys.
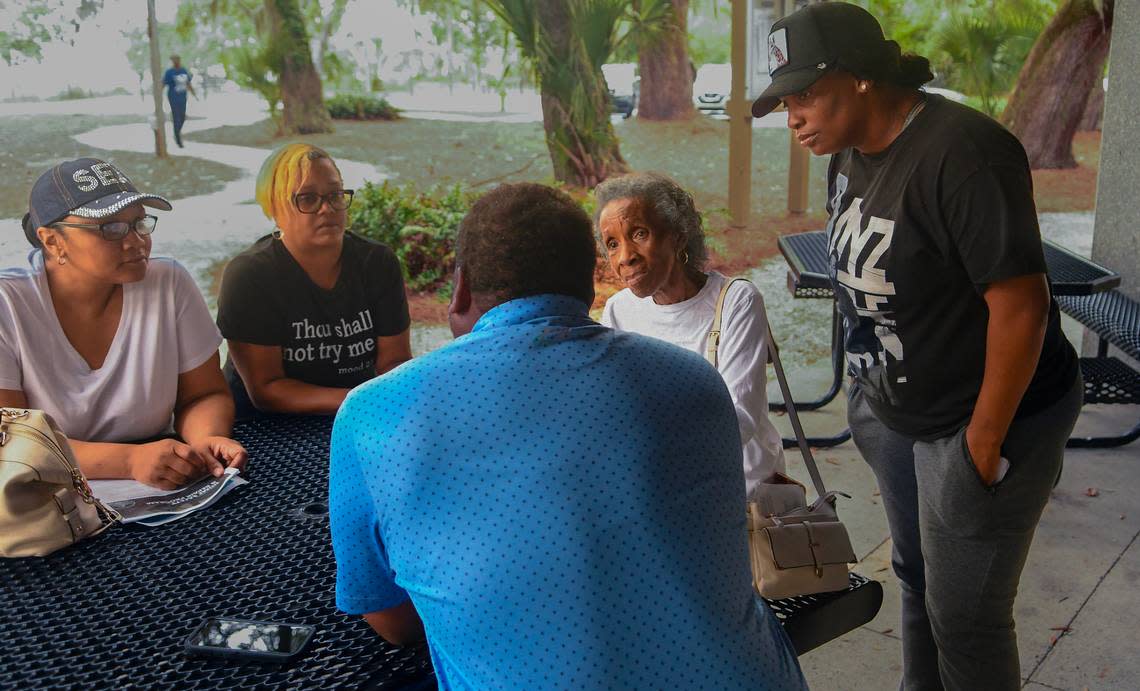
{"x": 283, "y": 172}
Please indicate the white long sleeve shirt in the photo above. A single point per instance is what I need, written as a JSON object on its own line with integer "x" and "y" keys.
{"x": 742, "y": 356}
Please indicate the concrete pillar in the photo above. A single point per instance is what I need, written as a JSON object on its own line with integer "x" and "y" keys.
{"x": 1116, "y": 233}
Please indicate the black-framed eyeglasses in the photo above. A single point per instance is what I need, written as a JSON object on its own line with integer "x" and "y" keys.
{"x": 310, "y": 202}
{"x": 116, "y": 230}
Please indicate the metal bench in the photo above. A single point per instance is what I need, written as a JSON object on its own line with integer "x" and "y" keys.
{"x": 1115, "y": 319}
{"x": 812, "y": 620}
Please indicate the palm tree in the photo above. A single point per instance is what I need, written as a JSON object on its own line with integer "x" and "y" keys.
{"x": 566, "y": 42}
{"x": 982, "y": 52}
{"x": 659, "y": 30}
{"x": 1066, "y": 63}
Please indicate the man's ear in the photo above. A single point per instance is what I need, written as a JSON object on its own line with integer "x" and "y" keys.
{"x": 462, "y": 312}
{"x": 460, "y": 293}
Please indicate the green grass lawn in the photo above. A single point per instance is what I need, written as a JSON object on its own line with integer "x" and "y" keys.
{"x": 424, "y": 153}
{"x": 33, "y": 143}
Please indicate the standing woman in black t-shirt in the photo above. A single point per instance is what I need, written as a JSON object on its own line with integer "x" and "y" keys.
{"x": 309, "y": 311}
{"x": 964, "y": 388}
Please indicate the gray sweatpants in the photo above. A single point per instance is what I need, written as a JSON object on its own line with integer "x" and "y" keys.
{"x": 959, "y": 546}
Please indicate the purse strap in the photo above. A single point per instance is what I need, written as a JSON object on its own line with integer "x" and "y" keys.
{"x": 774, "y": 357}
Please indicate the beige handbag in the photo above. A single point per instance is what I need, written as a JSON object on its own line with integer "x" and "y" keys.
{"x": 45, "y": 502}
{"x": 795, "y": 549}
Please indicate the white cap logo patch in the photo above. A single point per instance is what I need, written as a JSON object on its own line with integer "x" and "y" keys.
{"x": 777, "y": 50}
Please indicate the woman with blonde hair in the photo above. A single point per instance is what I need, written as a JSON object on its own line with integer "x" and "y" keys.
{"x": 310, "y": 310}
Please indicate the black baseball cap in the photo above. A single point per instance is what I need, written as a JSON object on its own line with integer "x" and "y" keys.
{"x": 86, "y": 187}
{"x": 822, "y": 36}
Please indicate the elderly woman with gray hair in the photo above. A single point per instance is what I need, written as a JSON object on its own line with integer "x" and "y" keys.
{"x": 652, "y": 235}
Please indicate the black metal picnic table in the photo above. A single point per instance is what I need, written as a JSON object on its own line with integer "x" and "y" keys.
{"x": 809, "y": 277}
{"x": 114, "y": 611}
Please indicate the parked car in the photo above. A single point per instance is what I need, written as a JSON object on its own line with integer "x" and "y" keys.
{"x": 623, "y": 85}
{"x": 711, "y": 87}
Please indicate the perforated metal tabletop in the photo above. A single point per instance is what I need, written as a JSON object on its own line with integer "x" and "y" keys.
{"x": 113, "y": 612}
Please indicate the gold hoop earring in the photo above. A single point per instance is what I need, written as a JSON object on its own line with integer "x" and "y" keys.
{"x": 61, "y": 259}
{"x": 862, "y": 86}
{"x": 276, "y": 233}
{"x": 684, "y": 256}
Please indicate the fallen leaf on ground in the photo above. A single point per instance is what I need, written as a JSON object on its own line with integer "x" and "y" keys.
{"x": 1092, "y": 492}
{"x": 886, "y": 630}
{"x": 875, "y": 493}
{"x": 832, "y": 461}
{"x": 1062, "y": 629}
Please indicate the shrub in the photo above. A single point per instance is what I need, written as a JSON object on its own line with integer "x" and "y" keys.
{"x": 361, "y": 107}
{"x": 419, "y": 227}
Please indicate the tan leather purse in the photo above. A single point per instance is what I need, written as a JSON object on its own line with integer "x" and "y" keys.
{"x": 795, "y": 550}
{"x": 45, "y": 502}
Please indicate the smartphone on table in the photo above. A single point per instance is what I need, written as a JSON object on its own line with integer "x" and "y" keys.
{"x": 258, "y": 641}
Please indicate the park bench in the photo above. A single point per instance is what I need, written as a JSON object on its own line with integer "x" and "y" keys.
{"x": 1115, "y": 319}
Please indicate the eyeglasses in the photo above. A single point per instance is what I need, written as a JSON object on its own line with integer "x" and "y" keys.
{"x": 116, "y": 230}
{"x": 310, "y": 202}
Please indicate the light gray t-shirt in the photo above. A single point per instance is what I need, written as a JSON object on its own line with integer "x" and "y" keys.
{"x": 165, "y": 329}
{"x": 742, "y": 356}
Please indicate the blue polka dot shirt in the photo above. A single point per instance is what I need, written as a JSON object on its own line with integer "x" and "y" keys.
{"x": 564, "y": 506}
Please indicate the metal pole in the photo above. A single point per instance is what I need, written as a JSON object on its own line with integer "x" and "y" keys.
{"x": 740, "y": 122}
{"x": 156, "y": 79}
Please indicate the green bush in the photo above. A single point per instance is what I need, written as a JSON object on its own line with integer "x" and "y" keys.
{"x": 361, "y": 107}
{"x": 419, "y": 227}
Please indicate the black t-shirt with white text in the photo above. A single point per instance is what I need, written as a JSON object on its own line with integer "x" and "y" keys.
{"x": 327, "y": 337}
{"x": 915, "y": 234}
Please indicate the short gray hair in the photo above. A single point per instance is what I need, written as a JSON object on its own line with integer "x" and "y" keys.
{"x": 672, "y": 207}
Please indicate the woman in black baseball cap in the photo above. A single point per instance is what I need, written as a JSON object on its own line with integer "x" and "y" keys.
{"x": 112, "y": 343}
{"x": 964, "y": 388}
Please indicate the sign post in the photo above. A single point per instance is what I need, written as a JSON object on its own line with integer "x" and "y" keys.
{"x": 159, "y": 123}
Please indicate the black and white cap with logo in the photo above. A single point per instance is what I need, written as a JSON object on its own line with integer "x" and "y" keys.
{"x": 85, "y": 187}
{"x": 819, "y": 37}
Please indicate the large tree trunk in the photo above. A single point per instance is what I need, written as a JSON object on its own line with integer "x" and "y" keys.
{"x": 1053, "y": 87}
{"x": 1094, "y": 110}
{"x": 303, "y": 108}
{"x": 667, "y": 73}
{"x": 575, "y": 103}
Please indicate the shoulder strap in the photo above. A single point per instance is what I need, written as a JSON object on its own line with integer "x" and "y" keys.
{"x": 713, "y": 340}
{"x": 773, "y": 357}
{"x": 789, "y": 405}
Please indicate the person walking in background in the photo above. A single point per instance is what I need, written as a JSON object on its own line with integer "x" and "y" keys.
{"x": 965, "y": 389}
{"x": 177, "y": 82}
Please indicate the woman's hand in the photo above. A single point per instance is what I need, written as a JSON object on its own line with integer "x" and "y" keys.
{"x": 224, "y": 451}
{"x": 168, "y": 463}
{"x": 986, "y": 455}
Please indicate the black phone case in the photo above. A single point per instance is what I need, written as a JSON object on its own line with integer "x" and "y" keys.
{"x": 248, "y": 655}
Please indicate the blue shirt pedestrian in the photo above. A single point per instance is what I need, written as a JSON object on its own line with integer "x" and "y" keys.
{"x": 177, "y": 81}
{"x": 562, "y": 503}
